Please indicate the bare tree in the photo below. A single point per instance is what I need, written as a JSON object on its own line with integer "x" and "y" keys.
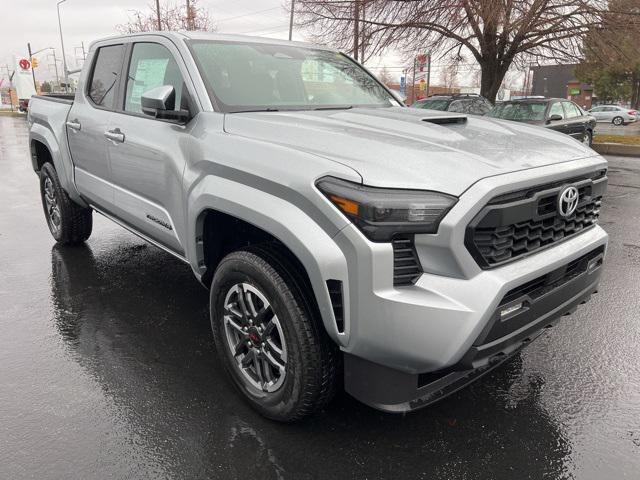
{"x": 449, "y": 76}
{"x": 173, "y": 16}
{"x": 495, "y": 32}
{"x": 612, "y": 54}
{"x": 385, "y": 77}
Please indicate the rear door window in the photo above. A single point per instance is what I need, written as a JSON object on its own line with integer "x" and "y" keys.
{"x": 103, "y": 87}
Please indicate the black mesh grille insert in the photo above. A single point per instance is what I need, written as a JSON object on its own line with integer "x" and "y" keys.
{"x": 521, "y": 224}
{"x": 499, "y": 244}
{"x": 335, "y": 294}
{"x": 406, "y": 266}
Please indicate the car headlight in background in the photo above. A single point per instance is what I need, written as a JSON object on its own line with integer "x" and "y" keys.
{"x": 381, "y": 213}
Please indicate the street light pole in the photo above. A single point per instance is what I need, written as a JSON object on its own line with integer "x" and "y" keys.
{"x": 64, "y": 58}
{"x": 33, "y": 73}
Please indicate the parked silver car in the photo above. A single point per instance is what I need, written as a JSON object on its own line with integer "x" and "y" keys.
{"x": 614, "y": 114}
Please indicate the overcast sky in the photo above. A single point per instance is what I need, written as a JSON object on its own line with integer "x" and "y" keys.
{"x": 35, "y": 21}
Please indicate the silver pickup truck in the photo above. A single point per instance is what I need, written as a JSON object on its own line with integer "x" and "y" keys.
{"x": 346, "y": 240}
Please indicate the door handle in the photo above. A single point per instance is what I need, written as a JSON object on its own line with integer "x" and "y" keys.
{"x": 115, "y": 135}
{"x": 74, "y": 125}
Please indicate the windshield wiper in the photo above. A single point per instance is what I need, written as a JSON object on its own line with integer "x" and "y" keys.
{"x": 268, "y": 109}
{"x": 335, "y": 107}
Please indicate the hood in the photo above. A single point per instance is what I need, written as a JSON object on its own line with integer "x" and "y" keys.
{"x": 409, "y": 148}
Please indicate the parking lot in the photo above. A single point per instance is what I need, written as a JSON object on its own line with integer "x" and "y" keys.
{"x": 107, "y": 370}
{"x": 630, "y": 130}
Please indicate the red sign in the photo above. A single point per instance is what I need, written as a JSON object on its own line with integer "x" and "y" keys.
{"x": 24, "y": 64}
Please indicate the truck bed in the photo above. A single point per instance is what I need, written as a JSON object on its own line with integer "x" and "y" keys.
{"x": 56, "y": 97}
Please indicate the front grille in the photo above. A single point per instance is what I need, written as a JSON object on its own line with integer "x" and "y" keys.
{"x": 406, "y": 266}
{"x": 513, "y": 228}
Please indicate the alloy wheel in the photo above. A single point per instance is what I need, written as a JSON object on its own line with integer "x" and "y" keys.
{"x": 52, "y": 207}
{"x": 255, "y": 337}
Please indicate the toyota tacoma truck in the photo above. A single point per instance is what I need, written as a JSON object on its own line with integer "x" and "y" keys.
{"x": 347, "y": 241}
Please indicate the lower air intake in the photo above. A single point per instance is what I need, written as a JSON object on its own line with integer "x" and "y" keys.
{"x": 406, "y": 266}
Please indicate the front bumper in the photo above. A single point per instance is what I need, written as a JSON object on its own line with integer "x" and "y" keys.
{"x": 437, "y": 326}
{"x": 543, "y": 301}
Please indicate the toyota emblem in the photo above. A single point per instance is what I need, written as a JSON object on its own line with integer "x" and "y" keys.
{"x": 568, "y": 201}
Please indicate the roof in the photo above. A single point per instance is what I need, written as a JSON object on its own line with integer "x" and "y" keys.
{"x": 196, "y": 35}
{"x": 534, "y": 100}
{"x": 449, "y": 96}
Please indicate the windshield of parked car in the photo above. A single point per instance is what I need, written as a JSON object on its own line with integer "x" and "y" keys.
{"x": 524, "y": 112}
{"x": 472, "y": 106}
{"x": 244, "y": 77}
{"x": 432, "y": 104}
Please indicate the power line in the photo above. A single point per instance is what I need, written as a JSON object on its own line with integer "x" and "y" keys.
{"x": 226, "y": 19}
{"x": 267, "y": 29}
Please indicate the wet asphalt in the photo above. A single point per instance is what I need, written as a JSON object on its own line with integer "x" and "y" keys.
{"x": 107, "y": 370}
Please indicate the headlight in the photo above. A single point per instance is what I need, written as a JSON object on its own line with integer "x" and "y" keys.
{"x": 380, "y": 213}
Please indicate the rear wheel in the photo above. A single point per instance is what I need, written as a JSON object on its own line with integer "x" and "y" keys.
{"x": 268, "y": 336}
{"x": 617, "y": 121}
{"x": 588, "y": 138}
{"x": 68, "y": 222}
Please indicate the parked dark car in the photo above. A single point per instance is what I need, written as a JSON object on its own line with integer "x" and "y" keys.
{"x": 460, "y": 103}
{"x": 554, "y": 113}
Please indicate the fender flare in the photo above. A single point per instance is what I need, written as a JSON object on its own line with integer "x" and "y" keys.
{"x": 314, "y": 247}
{"x": 60, "y": 158}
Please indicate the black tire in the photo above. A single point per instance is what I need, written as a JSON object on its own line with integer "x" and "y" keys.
{"x": 587, "y": 139}
{"x": 312, "y": 359}
{"x": 617, "y": 121}
{"x": 68, "y": 222}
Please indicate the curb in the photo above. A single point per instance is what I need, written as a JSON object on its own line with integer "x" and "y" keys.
{"x": 617, "y": 149}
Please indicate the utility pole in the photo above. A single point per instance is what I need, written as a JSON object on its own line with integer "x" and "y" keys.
{"x": 55, "y": 65}
{"x": 356, "y": 28}
{"x": 293, "y": 5}
{"x": 64, "y": 59}
{"x": 158, "y": 14}
{"x": 75, "y": 52}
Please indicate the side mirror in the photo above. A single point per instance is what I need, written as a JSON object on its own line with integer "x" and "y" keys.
{"x": 554, "y": 118}
{"x": 160, "y": 102}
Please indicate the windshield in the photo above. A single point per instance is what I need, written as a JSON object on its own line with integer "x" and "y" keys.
{"x": 519, "y": 111}
{"x": 432, "y": 104}
{"x": 244, "y": 77}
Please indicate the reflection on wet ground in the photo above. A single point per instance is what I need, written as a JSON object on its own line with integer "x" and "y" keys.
{"x": 107, "y": 369}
